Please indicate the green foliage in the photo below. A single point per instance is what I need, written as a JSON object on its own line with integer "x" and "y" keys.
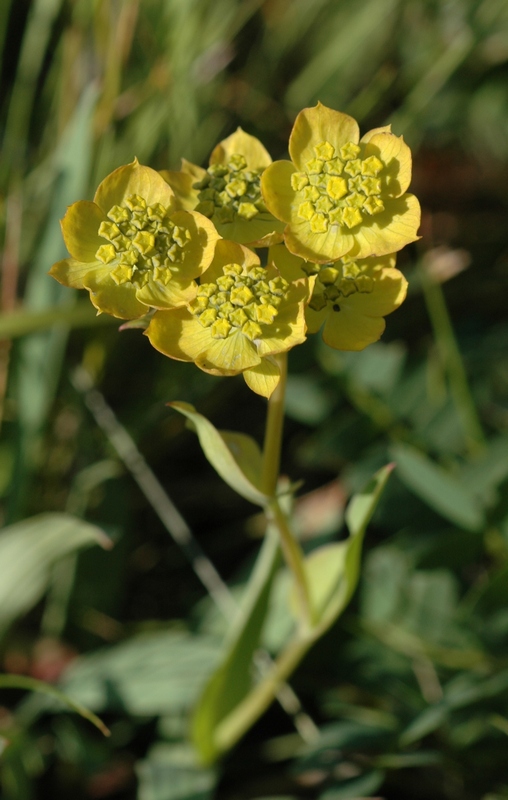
{"x": 29, "y": 551}
{"x": 407, "y": 691}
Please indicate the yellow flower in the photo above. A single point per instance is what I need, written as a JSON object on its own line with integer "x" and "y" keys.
{"x": 131, "y": 249}
{"x": 350, "y": 297}
{"x": 342, "y": 195}
{"x": 242, "y": 315}
{"x": 228, "y": 192}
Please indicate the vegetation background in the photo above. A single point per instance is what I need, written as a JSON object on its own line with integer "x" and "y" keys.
{"x": 410, "y": 689}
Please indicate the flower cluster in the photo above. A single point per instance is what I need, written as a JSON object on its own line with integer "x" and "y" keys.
{"x": 181, "y": 246}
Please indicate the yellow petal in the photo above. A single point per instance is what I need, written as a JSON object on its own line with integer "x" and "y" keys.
{"x": 396, "y": 156}
{"x": 389, "y": 231}
{"x": 316, "y": 125}
{"x": 374, "y": 265}
{"x": 315, "y": 319}
{"x": 368, "y": 136}
{"x": 277, "y": 191}
{"x": 348, "y": 330}
{"x": 200, "y": 248}
{"x": 241, "y": 143}
{"x": 72, "y": 273}
{"x": 80, "y": 227}
{"x": 172, "y": 295}
{"x": 227, "y": 252}
{"x": 318, "y": 247}
{"x": 274, "y": 237}
{"x": 289, "y": 328}
{"x": 389, "y": 291}
{"x": 289, "y": 265}
{"x": 254, "y": 232}
{"x": 134, "y": 179}
{"x": 263, "y": 378}
{"x": 178, "y": 334}
{"x": 181, "y": 183}
{"x": 230, "y": 355}
{"x": 117, "y": 300}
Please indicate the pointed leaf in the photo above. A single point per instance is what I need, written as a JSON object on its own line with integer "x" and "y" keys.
{"x": 152, "y": 673}
{"x": 233, "y": 680}
{"x": 346, "y": 571}
{"x": 28, "y": 551}
{"x": 226, "y": 462}
{"x": 333, "y": 570}
{"x": 246, "y": 453}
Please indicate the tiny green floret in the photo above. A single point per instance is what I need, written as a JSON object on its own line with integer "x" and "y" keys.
{"x": 143, "y": 242}
{"x": 229, "y": 189}
{"x": 338, "y": 188}
{"x": 241, "y": 300}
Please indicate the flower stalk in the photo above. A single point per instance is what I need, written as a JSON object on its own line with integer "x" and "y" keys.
{"x": 290, "y": 547}
{"x": 273, "y": 432}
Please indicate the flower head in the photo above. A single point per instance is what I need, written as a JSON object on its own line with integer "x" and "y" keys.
{"x": 242, "y": 315}
{"x": 131, "y": 249}
{"x": 229, "y": 192}
{"x": 350, "y": 297}
{"x": 342, "y": 195}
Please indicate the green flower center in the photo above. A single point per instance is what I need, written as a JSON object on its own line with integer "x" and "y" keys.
{"x": 335, "y": 282}
{"x": 240, "y": 300}
{"x": 143, "y": 243}
{"x": 338, "y": 188}
{"x": 230, "y": 189}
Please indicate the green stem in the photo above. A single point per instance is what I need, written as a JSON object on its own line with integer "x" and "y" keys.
{"x": 271, "y": 464}
{"x": 452, "y": 359}
{"x": 273, "y": 433}
{"x": 293, "y": 557}
{"x": 34, "y": 685}
{"x": 248, "y": 711}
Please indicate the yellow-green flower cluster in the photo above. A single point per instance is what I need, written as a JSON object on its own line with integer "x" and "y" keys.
{"x": 240, "y": 299}
{"x": 242, "y": 316}
{"x": 180, "y": 246}
{"x": 341, "y": 195}
{"x": 142, "y": 242}
{"x": 228, "y": 192}
{"x": 350, "y": 297}
{"x": 230, "y": 189}
{"x": 338, "y": 189}
{"x": 131, "y": 248}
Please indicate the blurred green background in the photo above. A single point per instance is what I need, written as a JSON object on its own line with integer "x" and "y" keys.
{"x": 410, "y": 689}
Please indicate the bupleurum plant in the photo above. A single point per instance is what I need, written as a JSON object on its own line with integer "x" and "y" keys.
{"x": 178, "y": 249}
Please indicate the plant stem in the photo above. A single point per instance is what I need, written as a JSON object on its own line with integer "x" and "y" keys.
{"x": 247, "y": 712}
{"x": 293, "y": 557}
{"x": 271, "y": 464}
{"x": 451, "y": 357}
{"x": 273, "y": 432}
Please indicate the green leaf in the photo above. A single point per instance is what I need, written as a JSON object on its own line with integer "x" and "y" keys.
{"x": 170, "y": 772}
{"x": 246, "y": 453}
{"x": 227, "y": 453}
{"x": 154, "y": 673}
{"x": 28, "y": 551}
{"x": 253, "y": 705}
{"x": 436, "y": 487}
{"x": 233, "y": 680}
{"x": 325, "y": 568}
{"x": 333, "y": 583}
